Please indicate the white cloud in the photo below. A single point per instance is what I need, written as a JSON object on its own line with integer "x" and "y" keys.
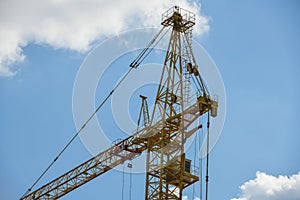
{"x": 74, "y": 24}
{"x": 268, "y": 187}
{"x": 187, "y": 198}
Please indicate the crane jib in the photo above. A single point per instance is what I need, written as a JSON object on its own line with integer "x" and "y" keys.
{"x": 124, "y": 150}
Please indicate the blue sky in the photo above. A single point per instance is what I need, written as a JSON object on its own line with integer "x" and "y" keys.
{"x": 255, "y": 45}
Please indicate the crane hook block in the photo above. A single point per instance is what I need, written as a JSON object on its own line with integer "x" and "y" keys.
{"x": 214, "y": 108}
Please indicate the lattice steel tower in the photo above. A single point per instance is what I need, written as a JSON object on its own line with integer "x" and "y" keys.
{"x": 168, "y": 171}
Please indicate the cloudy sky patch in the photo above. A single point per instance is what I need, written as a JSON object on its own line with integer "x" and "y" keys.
{"x": 76, "y": 24}
{"x": 268, "y": 187}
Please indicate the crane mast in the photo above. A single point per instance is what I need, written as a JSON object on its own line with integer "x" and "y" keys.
{"x": 164, "y": 132}
{"x": 167, "y": 172}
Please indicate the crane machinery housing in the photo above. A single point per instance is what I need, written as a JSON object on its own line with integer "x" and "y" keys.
{"x": 164, "y": 131}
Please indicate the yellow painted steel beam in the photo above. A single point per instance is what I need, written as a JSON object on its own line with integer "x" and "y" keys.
{"x": 127, "y": 149}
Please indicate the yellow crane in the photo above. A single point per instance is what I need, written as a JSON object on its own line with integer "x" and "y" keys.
{"x": 163, "y": 133}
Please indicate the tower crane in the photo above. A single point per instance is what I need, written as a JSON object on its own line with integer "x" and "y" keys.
{"x": 164, "y": 132}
